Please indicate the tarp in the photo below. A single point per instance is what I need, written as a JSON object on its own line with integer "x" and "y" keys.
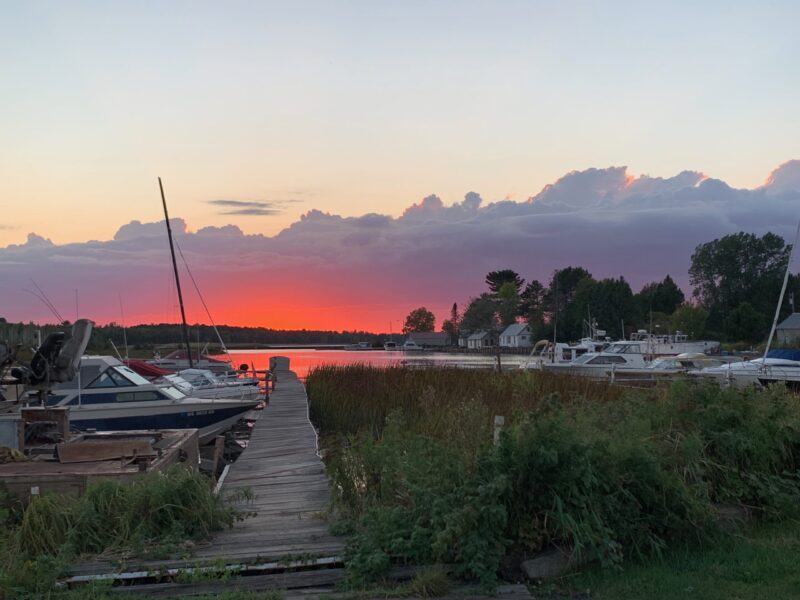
{"x": 145, "y": 369}
{"x": 785, "y": 353}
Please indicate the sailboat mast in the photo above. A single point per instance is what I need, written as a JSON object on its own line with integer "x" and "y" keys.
{"x": 783, "y": 291}
{"x": 177, "y": 278}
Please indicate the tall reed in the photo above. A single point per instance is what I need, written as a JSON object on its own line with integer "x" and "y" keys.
{"x": 350, "y": 399}
{"x": 600, "y": 471}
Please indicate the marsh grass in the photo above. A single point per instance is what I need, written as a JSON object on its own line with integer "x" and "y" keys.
{"x": 608, "y": 475}
{"x": 150, "y": 515}
{"x": 358, "y": 398}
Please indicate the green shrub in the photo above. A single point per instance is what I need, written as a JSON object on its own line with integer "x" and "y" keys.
{"x": 606, "y": 473}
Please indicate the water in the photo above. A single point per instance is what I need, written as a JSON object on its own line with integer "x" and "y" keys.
{"x": 302, "y": 360}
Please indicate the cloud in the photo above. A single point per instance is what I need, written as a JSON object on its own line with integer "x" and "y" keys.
{"x": 252, "y": 207}
{"x": 785, "y": 178}
{"x": 374, "y": 268}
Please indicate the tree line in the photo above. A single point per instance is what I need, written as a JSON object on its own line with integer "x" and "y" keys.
{"x": 736, "y": 282}
{"x": 140, "y": 337}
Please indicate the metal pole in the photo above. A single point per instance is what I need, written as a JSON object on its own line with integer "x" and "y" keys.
{"x": 177, "y": 278}
{"x": 783, "y": 291}
{"x": 555, "y": 317}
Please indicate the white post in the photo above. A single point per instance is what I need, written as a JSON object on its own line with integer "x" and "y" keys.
{"x": 499, "y": 422}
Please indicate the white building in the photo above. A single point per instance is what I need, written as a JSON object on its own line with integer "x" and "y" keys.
{"x": 788, "y": 331}
{"x": 481, "y": 339}
{"x": 517, "y": 335}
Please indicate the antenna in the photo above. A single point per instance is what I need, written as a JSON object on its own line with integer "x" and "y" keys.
{"x": 39, "y": 293}
{"x": 177, "y": 278}
{"x": 124, "y": 330}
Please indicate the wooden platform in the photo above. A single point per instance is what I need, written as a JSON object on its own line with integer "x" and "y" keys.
{"x": 281, "y": 468}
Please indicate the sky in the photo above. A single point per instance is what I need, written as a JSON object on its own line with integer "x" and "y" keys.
{"x": 324, "y": 159}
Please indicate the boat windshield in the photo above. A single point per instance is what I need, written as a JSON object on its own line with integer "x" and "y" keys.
{"x": 132, "y": 375}
{"x": 583, "y": 359}
{"x": 663, "y": 363}
{"x": 623, "y": 349}
{"x": 173, "y": 393}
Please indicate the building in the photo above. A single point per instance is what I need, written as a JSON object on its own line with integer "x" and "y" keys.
{"x": 517, "y": 335}
{"x": 482, "y": 339}
{"x": 429, "y": 339}
{"x": 788, "y": 331}
{"x": 463, "y": 336}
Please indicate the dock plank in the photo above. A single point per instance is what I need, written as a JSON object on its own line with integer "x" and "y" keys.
{"x": 281, "y": 468}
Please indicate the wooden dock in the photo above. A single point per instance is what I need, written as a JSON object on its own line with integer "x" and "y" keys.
{"x": 281, "y": 468}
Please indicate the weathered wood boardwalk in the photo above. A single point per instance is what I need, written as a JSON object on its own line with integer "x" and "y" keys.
{"x": 281, "y": 468}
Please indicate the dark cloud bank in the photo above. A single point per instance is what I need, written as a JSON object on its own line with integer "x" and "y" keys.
{"x": 602, "y": 219}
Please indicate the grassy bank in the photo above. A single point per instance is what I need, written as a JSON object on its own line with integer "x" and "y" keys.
{"x": 149, "y": 517}
{"x": 761, "y": 565}
{"x": 605, "y": 474}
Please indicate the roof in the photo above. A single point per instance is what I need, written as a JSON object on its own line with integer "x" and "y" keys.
{"x": 515, "y": 329}
{"x": 479, "y": 335}
{"x": 428, "y": 337}
{"x": 790, "y": 322}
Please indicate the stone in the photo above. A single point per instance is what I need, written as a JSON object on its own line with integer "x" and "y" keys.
{"x": 547, "y": 565}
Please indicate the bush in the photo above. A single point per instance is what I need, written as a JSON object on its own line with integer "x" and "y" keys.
{"x": 604, "y": 474}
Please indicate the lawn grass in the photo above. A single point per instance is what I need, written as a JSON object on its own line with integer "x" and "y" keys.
{"x": 759, "y": 564}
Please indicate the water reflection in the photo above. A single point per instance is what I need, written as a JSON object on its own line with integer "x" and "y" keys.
{"x": 301, "y": 360}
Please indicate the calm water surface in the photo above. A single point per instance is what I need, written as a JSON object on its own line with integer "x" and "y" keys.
{"x": 301, "y": 360}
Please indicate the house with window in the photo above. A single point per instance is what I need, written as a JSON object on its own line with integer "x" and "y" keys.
{"x": 517, "y": 335}
{"x": 482, "y": 339}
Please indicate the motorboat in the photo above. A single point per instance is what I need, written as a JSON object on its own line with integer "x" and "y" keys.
{"x": 390, "y": 346}
{"x": 202, "y": 383}
{"x": 614, "y": 356}
{"x": 106, "y": 395}
{"x": 179, "y": 360}
{"x": 544, "y": 351}
{"x": 672, "y": 344}
{"x": 412, "y": 346}
{"x": 359, "y": 347}
{"x": 753, "y": 373}
{"x": 668, "y": 366}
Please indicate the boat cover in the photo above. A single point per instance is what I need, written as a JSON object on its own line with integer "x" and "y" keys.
{"x": 145, "y": 369}
{"x": 785, "y": 353}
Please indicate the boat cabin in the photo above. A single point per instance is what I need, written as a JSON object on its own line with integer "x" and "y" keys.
{"x": 104, "y": 379}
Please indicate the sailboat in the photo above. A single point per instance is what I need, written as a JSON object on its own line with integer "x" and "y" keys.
{"x": 766, "y": 370}
{"x": 181, "y": 359}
